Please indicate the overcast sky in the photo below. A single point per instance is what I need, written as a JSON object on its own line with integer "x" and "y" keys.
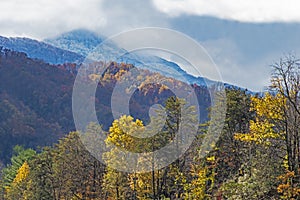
{"x": 239, "y": 61}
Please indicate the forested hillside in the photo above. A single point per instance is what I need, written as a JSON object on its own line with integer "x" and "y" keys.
{"x": 256, "y": 156}
{"x": 36, "y": 100}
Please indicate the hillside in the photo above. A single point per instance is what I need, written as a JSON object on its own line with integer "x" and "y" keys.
{"x": 36, "y": 104}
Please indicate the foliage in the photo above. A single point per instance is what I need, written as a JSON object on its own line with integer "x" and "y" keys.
{"x": 20, "y": 157}
{"x": 256, "y": 157}
{"x": 269, "y": 112}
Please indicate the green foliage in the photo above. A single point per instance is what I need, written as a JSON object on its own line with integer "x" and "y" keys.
{"x": 17, "y": 190}
{"x": 20, "y": 156}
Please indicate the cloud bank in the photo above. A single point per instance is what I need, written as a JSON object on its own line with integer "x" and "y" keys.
{"x": 244, "y": 11}
{"x": 43, "y": 18}
{"x": 47, "y": 18}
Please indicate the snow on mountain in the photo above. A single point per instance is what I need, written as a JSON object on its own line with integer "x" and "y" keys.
{"x": 75, "y": 46}
{"x": 79, "y": 41}
{"x": 84, "y": 42}
{"x": 40, "y": 50}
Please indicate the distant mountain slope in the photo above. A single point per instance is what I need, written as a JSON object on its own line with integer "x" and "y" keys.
{"x": 35, "y": 102}
{"x": 84, "y": 42}
{"x": 40, "y": 50}
{"x": 74, "y": 46}
{"x": 79, "y": 41}
{"x": 36, "y": 99}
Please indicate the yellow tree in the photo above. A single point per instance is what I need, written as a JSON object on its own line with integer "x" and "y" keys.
{"x": 272, "y": 128}
{"x": 264, "y": 144}
{"x": 22, "y": 174}
{"x": 121, "y": 137}
{"x": 17, "y": 190}
{"x": 202, "y": 182}
{"x": 267, "y": 125}
{"x": 279, "y": 118}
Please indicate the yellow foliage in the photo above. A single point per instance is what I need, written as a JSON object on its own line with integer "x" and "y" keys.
{"x": 211, "y": 158}
{"x": 268, "y": 109}
{"x": 22, "y": 174}
{"x": 122, "y": 131}
{"x": 269, "y": 106}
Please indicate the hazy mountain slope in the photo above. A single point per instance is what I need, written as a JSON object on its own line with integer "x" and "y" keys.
{"x": 40, "y": 50}
{"x": 84, "y": 42}
{"x": 35, "y": 102}
{"x": 79, "y": 41}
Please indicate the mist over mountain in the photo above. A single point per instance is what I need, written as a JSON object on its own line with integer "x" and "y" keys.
{"x": 84, "y": 42}
{"x": 75, "y": 46}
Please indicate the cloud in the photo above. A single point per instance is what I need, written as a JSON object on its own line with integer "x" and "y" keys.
{"x": 230, "y": 61}
{"x": 244, "y": 11}
{"x": 45, "y": 18}
{"x": 242, "y": 51}
{"x": 125, "y": 15}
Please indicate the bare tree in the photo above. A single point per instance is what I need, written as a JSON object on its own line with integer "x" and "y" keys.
{"x": 286, "y": 81}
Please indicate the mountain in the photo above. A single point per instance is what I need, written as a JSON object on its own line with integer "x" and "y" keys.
{"x": 36, "y": 99}
{"x": 79, "y": 41}
{"x": 40, "y": 50}
{"x": 84, "y": 42}
{"x": 75, "y": 46}
{"x": 35, "y": 102}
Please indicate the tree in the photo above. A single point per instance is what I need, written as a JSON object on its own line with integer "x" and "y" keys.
{"x": 17, "y": 190}
{"x": 120, "y": 136}
{"x": 286, "y": 81}
{"x": 77, "y": 174}
{"x": 42, "y": 181}
{"x": 264, "y": 142}
{"x": 275, "y": 130}
{"x": 20, "y": 155}
{"x": 228, "y": 151}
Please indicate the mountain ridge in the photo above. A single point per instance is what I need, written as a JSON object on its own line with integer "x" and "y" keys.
{"x": 40, "y": 50}
{"x": 76, "y": 45}
{"x": 84, "y": 42}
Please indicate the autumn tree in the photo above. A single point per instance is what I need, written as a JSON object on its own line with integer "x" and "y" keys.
{"x": 286, "y": 81}
{"x": 77, "y": 174}
{"x": 121, "y": 137}
{"x": 10, "y": 172}
{"x": 275, "y": 131}
{"x": 18, "y": 188}
{"x": 263, "y": 143}
{"x": 228, "y": 151}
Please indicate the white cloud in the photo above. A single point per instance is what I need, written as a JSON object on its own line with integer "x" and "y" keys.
{"x": 45, "y": 18}
{"x": 240, "y": 10}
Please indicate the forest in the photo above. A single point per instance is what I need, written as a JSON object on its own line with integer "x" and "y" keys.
{"x": 256, "y": 157}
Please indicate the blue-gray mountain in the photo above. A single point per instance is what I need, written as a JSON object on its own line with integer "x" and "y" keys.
{"x": 74, "y": 46}
{"x": 84, "y": 42}
{"x": 40, "y": 50}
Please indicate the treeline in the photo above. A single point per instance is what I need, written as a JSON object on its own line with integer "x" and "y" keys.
{"x": 69, "y": 171}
